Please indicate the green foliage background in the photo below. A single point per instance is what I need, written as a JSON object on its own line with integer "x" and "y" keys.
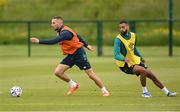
{"x": 148, "y": 33}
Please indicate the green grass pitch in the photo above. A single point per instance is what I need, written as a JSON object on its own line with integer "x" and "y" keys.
{"x": 43, "y": 91}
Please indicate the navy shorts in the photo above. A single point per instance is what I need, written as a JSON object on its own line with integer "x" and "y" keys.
{"x": 129, "y": 70}
{"x": 79, "y": 58}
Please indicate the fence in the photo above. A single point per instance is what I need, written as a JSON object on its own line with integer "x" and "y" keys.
{"x": 100, "y": 27}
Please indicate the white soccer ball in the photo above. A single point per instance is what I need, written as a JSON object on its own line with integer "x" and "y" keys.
{"x": 16, "y": 91}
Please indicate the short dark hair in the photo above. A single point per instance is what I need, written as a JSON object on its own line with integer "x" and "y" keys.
{"x": 123, "y": 21}
{"x": 57, "y": 17}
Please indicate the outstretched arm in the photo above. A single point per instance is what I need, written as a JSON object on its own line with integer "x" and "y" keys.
{"x": 45, "y": 41}
{"x": 65, "y": 35}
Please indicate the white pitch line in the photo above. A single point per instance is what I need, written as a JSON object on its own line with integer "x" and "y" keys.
{"x": 133, "y": 104}
{"x": 89, "y": 111}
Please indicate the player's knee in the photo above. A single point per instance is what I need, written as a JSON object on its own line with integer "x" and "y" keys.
{"x": 58, "y": 73}
{"x": 91, "y": 76}
{"x": 90, "y": 73}
{"x": 144, "y": 72}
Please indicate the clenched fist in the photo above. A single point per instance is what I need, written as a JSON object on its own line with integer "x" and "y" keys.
{"x": 34, "y": 40}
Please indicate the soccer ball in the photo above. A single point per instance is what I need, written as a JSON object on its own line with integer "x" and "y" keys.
{"x": 16, "y": 91}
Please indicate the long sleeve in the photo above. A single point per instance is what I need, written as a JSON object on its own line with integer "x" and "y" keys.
{"x": 82, "y": 40}
{"x": 117, "y": 49}
{"x": 65, "y": 35}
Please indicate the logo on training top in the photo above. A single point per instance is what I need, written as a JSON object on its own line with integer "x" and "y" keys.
{"x": 131, "y": 46}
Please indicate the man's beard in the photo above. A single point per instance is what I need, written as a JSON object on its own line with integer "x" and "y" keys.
{"x": 56, "y": 29}
{"x": 124, "y": 32}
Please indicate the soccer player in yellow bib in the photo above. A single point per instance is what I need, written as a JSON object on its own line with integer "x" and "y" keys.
{"x": 130, "y": 61}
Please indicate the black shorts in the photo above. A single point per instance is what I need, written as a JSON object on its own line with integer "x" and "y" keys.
{"x": 79, "y": 58}
{"x": 129, "y": 70}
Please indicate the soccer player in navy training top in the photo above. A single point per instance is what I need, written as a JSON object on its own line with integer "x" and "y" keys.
{"x": 130, "y": 61}
{"x": 72, "y": 45}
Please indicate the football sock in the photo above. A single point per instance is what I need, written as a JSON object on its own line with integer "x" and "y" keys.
{"x": 104, "y": 90}
{"x": 71, "y": 83}
{"x": 144, "y": 89}
{"x": 165, "y": 90}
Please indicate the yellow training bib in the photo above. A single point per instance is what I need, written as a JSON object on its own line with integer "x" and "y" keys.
{"x": 129, "y": 46}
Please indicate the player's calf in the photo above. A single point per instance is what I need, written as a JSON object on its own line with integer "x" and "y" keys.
{"x": 98, "y": 82}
